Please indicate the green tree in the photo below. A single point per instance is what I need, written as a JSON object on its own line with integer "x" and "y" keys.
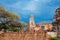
{"x": 7, "y": 18}
{"x": 16, "y": 29}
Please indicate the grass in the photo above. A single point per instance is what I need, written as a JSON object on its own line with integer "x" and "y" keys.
{"x": 55, "y": 38}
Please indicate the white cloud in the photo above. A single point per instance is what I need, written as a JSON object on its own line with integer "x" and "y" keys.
{"x": 36, "y": 0}
{"x": 44, "y": 1}
{"x": 25, "y": 6}
{"x": 31, "y": 6}
{"x": 19, "y": 5}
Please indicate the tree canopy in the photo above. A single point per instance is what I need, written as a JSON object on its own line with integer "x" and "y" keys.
{"x": 9, "y": 20}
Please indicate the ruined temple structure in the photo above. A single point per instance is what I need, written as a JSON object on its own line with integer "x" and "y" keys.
{"x": 33, "y": 32}
{"x": 31, "y": 26}
{"x": 56, "y": 21}
{"x": 46, "y": 26}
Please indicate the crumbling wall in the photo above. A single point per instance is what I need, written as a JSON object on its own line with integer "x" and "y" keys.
{"x": 23, "y": 36}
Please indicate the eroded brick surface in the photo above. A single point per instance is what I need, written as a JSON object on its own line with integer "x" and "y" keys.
{"x": 24, "y": 36}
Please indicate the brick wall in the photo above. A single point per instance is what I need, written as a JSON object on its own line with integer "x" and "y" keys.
{"x": 24, "y": 36}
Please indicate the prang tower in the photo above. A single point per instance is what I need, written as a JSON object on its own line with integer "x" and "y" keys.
{"x": 31, "y": 23}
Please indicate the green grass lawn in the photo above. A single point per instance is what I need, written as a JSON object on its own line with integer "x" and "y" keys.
{"x": 55, "y": 38}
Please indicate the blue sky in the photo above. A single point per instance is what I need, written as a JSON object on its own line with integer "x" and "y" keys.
{"x": 42, "y": 10}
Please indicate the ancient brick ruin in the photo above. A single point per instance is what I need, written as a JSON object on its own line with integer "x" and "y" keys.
{"x": 27, "y": 35}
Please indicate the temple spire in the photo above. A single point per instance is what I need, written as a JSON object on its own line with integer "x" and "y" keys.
{"x": 31, "y": 22}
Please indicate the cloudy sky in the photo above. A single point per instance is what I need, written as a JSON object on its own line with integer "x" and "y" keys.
{"x": 42, "y": 10}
